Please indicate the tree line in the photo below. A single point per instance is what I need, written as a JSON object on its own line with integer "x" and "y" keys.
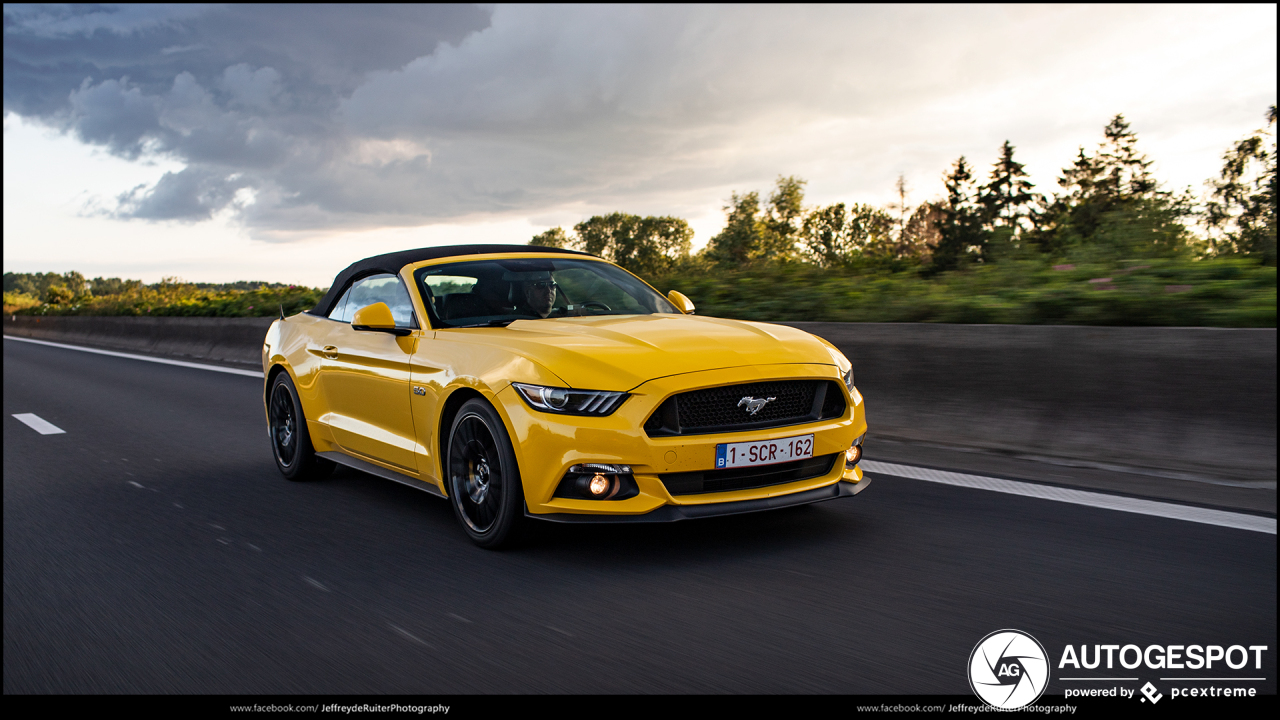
{"x": 1108, "y": 207}
{"x": 1108, "y": 216}
{"x": 73, "y": 287}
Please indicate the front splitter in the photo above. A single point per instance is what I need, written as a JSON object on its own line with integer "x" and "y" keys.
{"x": 675, "y": 513}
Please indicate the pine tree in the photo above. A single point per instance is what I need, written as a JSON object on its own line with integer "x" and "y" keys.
{"x": 1006, "y": 198}
{"x": 960, "y": 232}
{"x": 1112, "y": 207}
{"x": 1125, "y": 171}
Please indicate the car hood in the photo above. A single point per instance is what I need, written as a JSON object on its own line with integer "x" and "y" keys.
{"x": 620, "y": 352}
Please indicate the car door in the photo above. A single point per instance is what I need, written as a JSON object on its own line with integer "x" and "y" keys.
{"x": 365, "y": 375}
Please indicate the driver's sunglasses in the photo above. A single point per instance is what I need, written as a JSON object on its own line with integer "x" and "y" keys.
{"x": 544, "y": 284}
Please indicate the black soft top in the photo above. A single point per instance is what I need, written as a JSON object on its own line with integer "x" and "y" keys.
{"x": 393, "y": 262}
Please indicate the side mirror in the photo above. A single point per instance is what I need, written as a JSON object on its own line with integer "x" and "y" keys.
{"x": 377, "y": 318}
{"x": 682, "y": 303}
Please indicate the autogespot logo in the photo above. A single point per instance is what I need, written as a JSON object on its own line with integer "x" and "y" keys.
{"x": 1008, "y": 669}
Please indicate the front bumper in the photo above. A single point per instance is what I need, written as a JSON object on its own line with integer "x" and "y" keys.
{"x": 546, "y": 445}
{"x": 673, "y": 513}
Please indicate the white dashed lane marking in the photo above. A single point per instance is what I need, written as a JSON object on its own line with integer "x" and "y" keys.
{"x": 410, "y": 636}
{"x": 1208, "y": 516}
{"x": 39, "y": 424}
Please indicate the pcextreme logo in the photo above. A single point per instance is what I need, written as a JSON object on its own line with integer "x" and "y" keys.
{"x": 1008, "y": 669}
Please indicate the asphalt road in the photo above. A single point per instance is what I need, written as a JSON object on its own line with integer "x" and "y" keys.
{"x": 153, "y": 548}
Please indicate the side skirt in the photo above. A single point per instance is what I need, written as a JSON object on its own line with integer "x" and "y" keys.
{"x": 363, "y": 466}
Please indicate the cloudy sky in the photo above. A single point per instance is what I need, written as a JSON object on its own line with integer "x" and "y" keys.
{"x": 280, "y": 143}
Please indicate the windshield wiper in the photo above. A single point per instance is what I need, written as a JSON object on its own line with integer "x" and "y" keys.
{"x": 491, "y": 323}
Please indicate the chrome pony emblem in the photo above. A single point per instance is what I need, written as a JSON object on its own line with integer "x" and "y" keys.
{"x": 754, "y": 404}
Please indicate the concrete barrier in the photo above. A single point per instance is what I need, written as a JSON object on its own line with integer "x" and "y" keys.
{"x": 1189, "y": 401}
{"x": 1185, "y": 401}
{"x": 197, "y": 338}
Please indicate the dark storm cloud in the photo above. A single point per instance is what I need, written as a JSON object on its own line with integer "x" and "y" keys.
{"x": 244, "y": 92}
{"x": 194, "y": 193}
{"x": 322, "y": 50}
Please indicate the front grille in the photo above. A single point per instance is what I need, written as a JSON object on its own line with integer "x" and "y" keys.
{"x": 710, "y": 481}
{"x": 726, "y": 409}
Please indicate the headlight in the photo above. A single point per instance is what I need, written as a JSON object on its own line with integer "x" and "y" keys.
{"x": 840, "y": 360}
{"x": 853, "y": 391}
{"x": 564, "y": 401}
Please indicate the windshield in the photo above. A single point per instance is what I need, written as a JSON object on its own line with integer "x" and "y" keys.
{"x": 499, "y": 292}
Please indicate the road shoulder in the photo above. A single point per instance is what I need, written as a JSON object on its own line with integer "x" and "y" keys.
{"x": 1258, "y": 498}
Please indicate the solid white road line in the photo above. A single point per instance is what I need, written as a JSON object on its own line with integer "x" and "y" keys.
{"x": 1207, "y": 516}
{"x": 162, "y": 361}
{"x": 39, "y": 424}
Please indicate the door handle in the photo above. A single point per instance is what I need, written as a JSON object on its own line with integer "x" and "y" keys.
{"x": 331, "y": 352}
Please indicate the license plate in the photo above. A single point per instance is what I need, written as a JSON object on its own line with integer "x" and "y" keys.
{"x": 764, "y": 452}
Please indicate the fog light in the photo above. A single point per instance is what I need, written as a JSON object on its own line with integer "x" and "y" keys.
{"x": 852, "y": 455}
{"x": 599, "y": 485}
{"x": 597, "y": 481}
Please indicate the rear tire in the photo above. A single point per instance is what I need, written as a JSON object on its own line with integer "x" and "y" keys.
{"x": 483, "y": 477}
{"x": 290, "y": 440}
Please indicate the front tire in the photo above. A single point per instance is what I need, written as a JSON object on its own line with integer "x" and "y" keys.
{"x": 290, "y": 441}
{"x": 483, "y": 478}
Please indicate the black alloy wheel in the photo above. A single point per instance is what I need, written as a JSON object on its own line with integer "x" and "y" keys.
{"x": 484, "y": 482}
{"x": 290, "y": 442}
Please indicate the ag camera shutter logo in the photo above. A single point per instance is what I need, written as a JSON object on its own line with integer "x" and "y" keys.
{"x": 1008, "y": 669}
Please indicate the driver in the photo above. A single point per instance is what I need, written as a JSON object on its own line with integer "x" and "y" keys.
{"x": 540, "y": 295}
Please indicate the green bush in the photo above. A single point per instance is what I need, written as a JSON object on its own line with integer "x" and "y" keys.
{"x": 185, "y": 299}
{"x": 1217, "y": 292}
{"x": 1220, "y": 292}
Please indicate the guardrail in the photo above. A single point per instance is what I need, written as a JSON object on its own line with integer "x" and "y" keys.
{"x": 1195, "y": 401}
{"x": 1199, "y": 401}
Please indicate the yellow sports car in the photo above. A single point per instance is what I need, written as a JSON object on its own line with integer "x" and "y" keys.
{"x": 529, "y": 382}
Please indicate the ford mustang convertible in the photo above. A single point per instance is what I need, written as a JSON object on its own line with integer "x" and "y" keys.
{"x": 529, "y": 382}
